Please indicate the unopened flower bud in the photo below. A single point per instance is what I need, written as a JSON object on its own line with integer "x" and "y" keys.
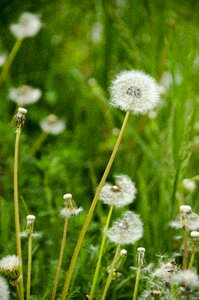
{"x": 123, "y": 252}
{"x": 20, "y": 117}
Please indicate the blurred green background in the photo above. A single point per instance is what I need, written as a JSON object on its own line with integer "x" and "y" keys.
{"x": 80, "y": 48}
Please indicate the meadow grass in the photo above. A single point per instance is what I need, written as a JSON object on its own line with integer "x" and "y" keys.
{"x": 74, "y": 57}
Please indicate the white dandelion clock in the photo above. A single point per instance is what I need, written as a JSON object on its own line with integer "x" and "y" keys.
{"x": 134, "y": 91}
{"x": 52, "y": 125}
{"x": 4, "y": 289}
{"x": 29, "y": 25}
{"x": 120, "y": 194}
{"x": 71, "y": 208}
{"x": 186, "y": 218}
{"x": 25, "y": 95}
{"x": 127, "y": 230}
{"x": 188, "y": 279}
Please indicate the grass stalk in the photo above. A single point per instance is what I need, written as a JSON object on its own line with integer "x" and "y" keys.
{"x": 100, "y": 254}
{"x": 9, "y": 61}
{"x": 108, "y": 281}
{"x": 91, "y": 210}
{"x": 63, "y": 243}
{"x": 16, "y": 208}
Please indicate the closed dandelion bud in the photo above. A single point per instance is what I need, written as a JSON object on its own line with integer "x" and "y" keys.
{"x": 194, "y": 241}
{"x": 29, "y": 25}
{"x": 134, "y": 91}
{"x": 195, "y": 235}
{"x": 10, "y": 267}
{"x": 189, "y": 185}
{"x": 29, "y": 226}
{"x": 123, "y": 252}
{"x": 140, "y": 256}
{"x": 155, "y": 294}
{"x": 71, "y": 208}
{"x": 120, "y": 194}
{"x": 127, "y": 230}
{"x": 20, "y": 117}
{"x": 52, "y": 125}
{"x": 4, "y": 289}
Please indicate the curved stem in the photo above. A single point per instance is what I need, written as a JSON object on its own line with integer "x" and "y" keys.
{"x": 100, "y": 254}
{"x": 192, "y": 260}
{"x": 9, "y": 61}
{"x": 108, "y": 282}
{"x": 39, "y": 142}
{"x": 29, "y": 267}
{"x": 63, "y": 243}
{"x": 16, "y": 208}
{"x": 91, "y": 210}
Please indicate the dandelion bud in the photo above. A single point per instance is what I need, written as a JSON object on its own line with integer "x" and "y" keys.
{"x": 195, "y": 234}
{"x": 10, "y": 266}
{"x": 4, "y": 289}
{"x": 155, "y": 294}
{"x": 29, "y": 225}
{"x": 187, "y": 218}
{"x": 123, "y": 252}
{"x": 20, "y": 117}
{"x": 71, "y": 208}
{"x": 185, "y": 209}
{"x": 134, "y": 91}
{"x": 140, "y": 254}
{"x": 30, "y": 219}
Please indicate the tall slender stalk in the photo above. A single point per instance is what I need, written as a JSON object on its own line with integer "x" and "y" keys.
{"x": 108, "y": 281}
{"x": 63, "y": 243}
{"x": 39, "y": 142}
{"x": 9, "y": 61}
{"x": 136, "y": 283}
{"x": 100, "y": 254}
{"x": 185, "y": 250}
{"x": 29, "y": 267}
{"x": 91, "y": 210}
{"x": 16, "y": 208}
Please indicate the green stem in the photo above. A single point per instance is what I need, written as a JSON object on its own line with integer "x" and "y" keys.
{"x": 91, "y": 210}
{"x": 16, "y": 208}
{"x": 100, "y": 254}
{"x": 108, "y": 281}
{"x": 192, "y": 260}
{"x": 63, "y": 243}
{"x": 39, "y": 142}
{"x": 136, "y": 283}
{"x": 9, "y": 61}
{"x": 29, "y": 266}
{"x": 185, "y": 252}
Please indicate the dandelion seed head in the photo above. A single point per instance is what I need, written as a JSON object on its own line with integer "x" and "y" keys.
{"x": 134, "y": 91}
{"x": 25, "y": 95}
{"x": 30, "y": 219}
{"x": 10, "y": 266}
{"x": 4, "y": 289}
{"x": 127, "y": 230}
{"x": 71, "y": 208}
{"x": 188, "y": 279}
{"x": 29, "y": 25}
{"x": 166, "y": 270}
{"x": 195, "y": 234}
{"x": 185, "y": 209}
{"x": 186, "y": 217}
{"x": 120, "y": 194}
{"x": 189, "y": 185}
{"x": 52, "y": 125}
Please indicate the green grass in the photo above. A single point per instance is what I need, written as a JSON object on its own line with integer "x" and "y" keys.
{"x": 156, "y": 153}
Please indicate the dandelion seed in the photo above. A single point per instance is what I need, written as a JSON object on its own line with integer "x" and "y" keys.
{"x": 186, "y": 218}
{"x": 29, "y": 25}
{"x": 52, "y": 125}
{"x": 4, "y": 289}
{"x": 188, "y": 279}
{"x": 121, "y": 194}
{"x": 71, "y": 208}
{"x": 189, "y": 185}
{"x": 134, "y": 91}
{"x": 24, "y": 95}
{"x": 10, "y": 266}
{"x": 127, "y": 230}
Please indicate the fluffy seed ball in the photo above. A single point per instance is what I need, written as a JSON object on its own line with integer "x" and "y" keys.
{"x": 134, "y": 91}
{"x": 127, "y": 230}
{"x": 4, "y": 289}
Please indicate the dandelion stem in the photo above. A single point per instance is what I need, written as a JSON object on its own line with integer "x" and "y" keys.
{"x": 185, "y": 253}
{"x": 9, "y": 61}
{"x": 100, "y": 254}
{"x": 16, "y": 209}
{"x": 91, "y": 210}
{"x": 29, "y": 266}
{"x": 108, "y": 281}
{"x": 136, "y": 283}
{"x": 38, "y": 143}
{"x": 60, "y": 259}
